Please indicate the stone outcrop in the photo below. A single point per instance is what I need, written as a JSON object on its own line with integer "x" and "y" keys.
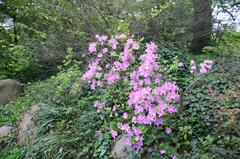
{"x": 26, "y": 124}
{"x": 9, "y": 89}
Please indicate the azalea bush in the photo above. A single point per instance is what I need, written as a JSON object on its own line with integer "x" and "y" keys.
{"x": 132, "y": 89}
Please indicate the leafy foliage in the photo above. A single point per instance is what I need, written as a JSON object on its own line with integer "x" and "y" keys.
{"x": 228, "y": 45}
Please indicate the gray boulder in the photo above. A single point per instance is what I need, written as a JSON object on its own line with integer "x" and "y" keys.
{"x": 9, "y": 89}
{"x": 5, "y": 131}
{"x": 120, "y": 150}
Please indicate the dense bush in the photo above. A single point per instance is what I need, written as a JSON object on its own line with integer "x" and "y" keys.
{"x": 141, "y": 99}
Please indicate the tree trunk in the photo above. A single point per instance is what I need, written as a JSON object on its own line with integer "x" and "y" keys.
{"x": 15, "y": 30}
{"x": 202, "y": 24}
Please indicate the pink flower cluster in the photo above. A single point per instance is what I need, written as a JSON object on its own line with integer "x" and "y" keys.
{"x": 149, "y": 61}
{"x": 101, "y": 39}
{"x": 92, "y": 47}
{"x": 151, "y": 97}
{"x": 150, "y": 103}
{"x": 113, "y": 42}
{"x": 204, "y": 67}
{"x": 94, "y": 74}
{"x": 134, "y": 133}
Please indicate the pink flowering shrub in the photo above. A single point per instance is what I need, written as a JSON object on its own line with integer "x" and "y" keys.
{"x": 121, "y": 61}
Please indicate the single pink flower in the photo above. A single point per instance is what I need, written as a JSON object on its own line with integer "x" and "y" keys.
{"x": 105, "y": 50}
{"x": 135, "y": 46}
{"x": 125, "y": 115}
{"x": 168, "y": 130}
{"x": 122, "y": 36}
{"x": 134, "y": 120}
{"x": 162, "y": 152}
{"x": 172, "y": 109}
{"x": 174, "y": 157}
{"x": 100, "y": 55}
{"x": 181, "y": 64}
{"x": 114, "y": 133}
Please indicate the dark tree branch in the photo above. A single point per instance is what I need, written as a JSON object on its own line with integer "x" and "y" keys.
{"x": 225, "y": 10}
{"x": 99, "y": 12}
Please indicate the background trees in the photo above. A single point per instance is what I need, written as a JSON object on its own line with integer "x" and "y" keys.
{"x": 40, "y": 31}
